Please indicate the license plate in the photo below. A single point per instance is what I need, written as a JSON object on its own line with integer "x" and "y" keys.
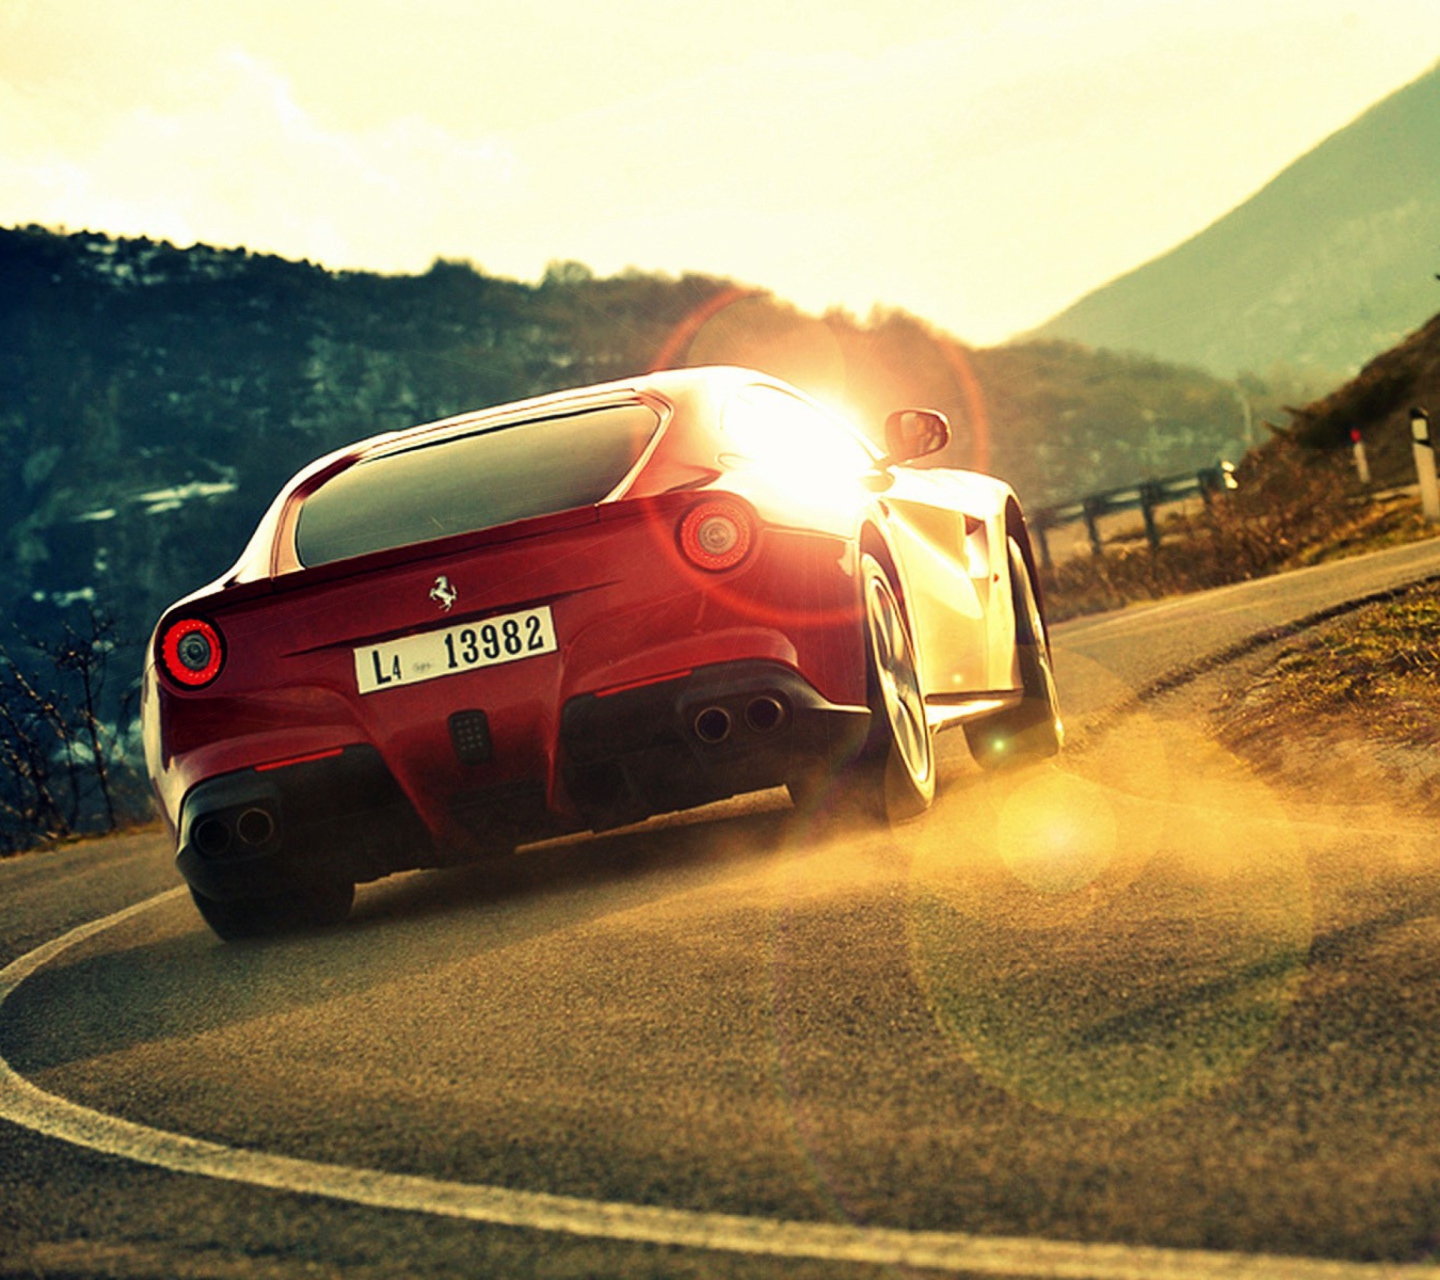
{"x": 447, "y": 651}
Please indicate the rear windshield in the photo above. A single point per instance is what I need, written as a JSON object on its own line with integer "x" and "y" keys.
{"x": 469, "y": 482}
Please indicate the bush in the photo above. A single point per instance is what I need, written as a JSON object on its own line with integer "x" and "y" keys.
{"x": 63, "y": 768}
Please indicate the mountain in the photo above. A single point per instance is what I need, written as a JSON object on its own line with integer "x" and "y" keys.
{"x": 1331, "y": 262}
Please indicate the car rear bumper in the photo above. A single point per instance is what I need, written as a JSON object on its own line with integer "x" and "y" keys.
{"x": 714, "y": 732}
{"x": 625, "y": 754}
{"x": 255, "y": 833}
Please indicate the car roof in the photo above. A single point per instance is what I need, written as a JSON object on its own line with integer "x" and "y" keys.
{"x": 673, "y": 385}
{"x": 679, "y": 387}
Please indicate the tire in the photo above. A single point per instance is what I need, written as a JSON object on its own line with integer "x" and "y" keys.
{"x": 894, "y": 777}
{"x": 314, "y": 906}
{"x": 1031, "y": 731}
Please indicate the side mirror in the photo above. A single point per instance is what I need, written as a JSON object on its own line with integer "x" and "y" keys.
{"x": 914, "y": 433}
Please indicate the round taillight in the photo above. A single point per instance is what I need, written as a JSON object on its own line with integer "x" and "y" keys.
{"x": 191, "y": 652}
{"x": 717, "y": 534}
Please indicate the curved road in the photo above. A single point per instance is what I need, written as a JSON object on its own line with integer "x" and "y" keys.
{"x": 1136, "y": 1013}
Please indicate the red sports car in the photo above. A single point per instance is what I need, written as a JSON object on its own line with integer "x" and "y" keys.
{"x": 576, "y": 611}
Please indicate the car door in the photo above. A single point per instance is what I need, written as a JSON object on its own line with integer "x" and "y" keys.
{"x": 948, "y": 527}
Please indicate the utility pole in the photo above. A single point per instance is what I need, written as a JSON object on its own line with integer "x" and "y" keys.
{"x": 1424, "y": 450}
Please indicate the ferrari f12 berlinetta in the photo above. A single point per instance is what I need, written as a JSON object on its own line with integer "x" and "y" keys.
{"x": 577, "y": 611}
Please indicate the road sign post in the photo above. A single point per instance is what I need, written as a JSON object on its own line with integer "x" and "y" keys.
{"x": 1362, "y": 463}
{"x": 1424, "y": 450}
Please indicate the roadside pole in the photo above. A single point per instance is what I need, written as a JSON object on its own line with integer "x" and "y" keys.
{"x": 1092, "y": 511}
{"x": 1045, "y": 561}
{"x": 1424, "y": 450}
{"x": 1362, "y": 463}
{"x": 1150, "y": 497}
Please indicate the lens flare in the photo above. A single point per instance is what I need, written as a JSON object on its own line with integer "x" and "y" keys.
{"x": 977, "y": 415}
{"x": 675, "y": 350}
{"x": 1099, "y": 951}
{"x": 863, "y": 372}
{"x": 1056, "y": 832}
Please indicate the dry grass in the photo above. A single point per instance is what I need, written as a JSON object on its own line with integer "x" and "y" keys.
{"x": 1378, "y": 667}
{"x": 1358, "y": 694}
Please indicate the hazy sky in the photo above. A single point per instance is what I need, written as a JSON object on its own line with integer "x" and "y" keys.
{"x": 981, "y": 163}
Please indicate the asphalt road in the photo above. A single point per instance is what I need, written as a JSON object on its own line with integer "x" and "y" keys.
{"x": 1136, "y": 647}
{"x": 1138, "y": 1012}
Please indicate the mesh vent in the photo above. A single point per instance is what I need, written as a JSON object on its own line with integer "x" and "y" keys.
{"x": 470, "y": 735}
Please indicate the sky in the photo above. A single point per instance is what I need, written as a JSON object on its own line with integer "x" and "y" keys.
{"x": 979, "y": 163}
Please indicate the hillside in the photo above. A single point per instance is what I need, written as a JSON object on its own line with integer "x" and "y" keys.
{"x": 1332, "y": 261}
{"x": 153, "y": 399}
{"x": 1378, "y": 402}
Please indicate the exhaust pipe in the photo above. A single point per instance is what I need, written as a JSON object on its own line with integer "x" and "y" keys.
{"x": 255, "y": 826}
{"x": 765, "y": 713}
{"x": 713, "y": 725}
{"x": 211, "y": 836}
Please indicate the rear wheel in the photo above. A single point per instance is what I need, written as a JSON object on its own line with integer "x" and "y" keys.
{"x": 313, "y": 906}
{"x": 1032, "y": 730}
{"x": 894, "y": 778}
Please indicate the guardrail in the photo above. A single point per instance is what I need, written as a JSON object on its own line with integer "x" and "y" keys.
{"x": 1146, "y": 496}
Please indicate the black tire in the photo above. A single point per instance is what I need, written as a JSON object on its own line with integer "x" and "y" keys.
{"x": 894, "y": 777}
{"x": 315, "y": 906}
{"x": 1031, "y": 731}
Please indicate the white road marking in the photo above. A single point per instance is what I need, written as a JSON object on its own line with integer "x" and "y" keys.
{"x": 23, "y": 1103}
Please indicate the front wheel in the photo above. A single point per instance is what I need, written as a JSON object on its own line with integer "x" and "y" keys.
{"x": 1032, "y": 730}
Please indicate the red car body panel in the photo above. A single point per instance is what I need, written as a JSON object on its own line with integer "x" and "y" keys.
{"x": 289, "y": 679}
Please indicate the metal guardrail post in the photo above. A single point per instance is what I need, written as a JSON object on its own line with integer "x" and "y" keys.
{"x": 1150, "y": 495}
{"x": 1093, "y": 507}
{"x": 1045, "y": 561}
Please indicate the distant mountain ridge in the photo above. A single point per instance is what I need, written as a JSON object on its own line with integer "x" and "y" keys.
{"x": 1331, "y": 262}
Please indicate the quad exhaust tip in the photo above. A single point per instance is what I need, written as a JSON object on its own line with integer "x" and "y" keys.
{"x": 765, "y": 713}
{"x": 255, "y": 826}
{"x": 214, "y": 837}
{"x": 211, "y": 837}
{"x": 713, "y": 725}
